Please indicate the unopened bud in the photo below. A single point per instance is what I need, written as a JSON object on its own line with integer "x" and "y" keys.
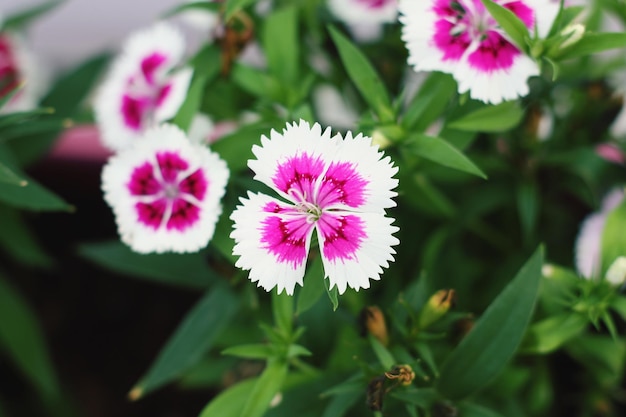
{"x": 572, "y": 34}
{"x": 436, "y": 307}
{"x": 373, "y": 322}
{"x": 616, "y": 274}
{"x": 379, "y": 139}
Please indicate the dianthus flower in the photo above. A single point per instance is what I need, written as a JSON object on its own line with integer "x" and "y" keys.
{"x": 165, "y": 192}
{"x": 461, "y": 38}
{"x": 339, "y": 187}
{"x": 144, "y": 87}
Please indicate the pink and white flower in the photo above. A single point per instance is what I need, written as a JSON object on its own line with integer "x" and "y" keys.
{"x": 144, "y": 87}
{"x": 338, "y": 187}
{"x": 461, "y": 38}
{"x": 18, "y": 67}
{"x": 365, "y": 18}
{"x": 165, "y": 192}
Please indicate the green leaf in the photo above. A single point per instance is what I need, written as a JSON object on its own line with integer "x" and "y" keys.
{"x": 280, "y": 41}
{"x": 527, "y": 207}
{"x": 512, "y": 25}
{"x": 340, "y": 404}
{"x": 613, "y": 237}
{"x": 255, "y": 82}
{"x": 32, "y": 196}
{"x": 251, "y": 351}
{"x": 422, "y": 397}
{"x": 19, "y": 20}
{"x": 191, "y": 340}
{"x": 485, "y": 351}
{"x": 266, "y": 387}
{"x": 234, "y": 6}
{"x": 441, "y": 152}
{"x": 185, "y": 270}
{"x": 228, "y": 403}
{"x": 385, "y": 357}
{"x": 207, "y": 6}
{"x": 430, "y": 102}
{"x": 72, "y": 88}
{"x": 499, "y": 118}
{"x": 282, "y": 308}
{"x": 235, "y": 149}
{"x": 22, "y": 339}
{"x": 363, "y": 76}
{"x": 14, "y": 118}
{"x": 333, "y": 295}
{"x": 551, "y": 333}
{"x": 8, "y": 176}
{"x": 313, "y": 287}
{"x": 17, "y": 239}
{"x": 190, "y": 106}
{"x": 8, "y": 96}
{"x": 474, "y": 410}
{"x": 297, "y": 350}
{"x": 592, "y": 43}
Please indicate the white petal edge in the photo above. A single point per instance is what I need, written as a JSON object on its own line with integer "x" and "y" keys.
{"x": 374, "y": 254}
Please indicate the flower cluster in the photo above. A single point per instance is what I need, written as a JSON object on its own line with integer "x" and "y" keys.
{"x": 165, "y": 189}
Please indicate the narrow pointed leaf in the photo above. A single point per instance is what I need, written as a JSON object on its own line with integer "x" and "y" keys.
{"x": 19, "y": 20}
{"x": 363, "y": 76}
{"x": 252, "y": 351}
{"x": 266, "y": 387}
{"x": 18, "y": 240}
{"x": 21, "y": 338}
{"x": 511, "y": 24}
{"x": 441, "y": 152}
{"x": 592, "y": 43}
{"x": 8, "y": 176}
{"x": 234, "y": 6}
{"x": 488, "y": 347}
{"x": 185, "y": 270}
{"x": 191, "y": 340}
{"x": 500, "y": 118}
{"x": 280, "y": 41}
{"x": 313, "y": 288}
{"x": 228, "y": 403}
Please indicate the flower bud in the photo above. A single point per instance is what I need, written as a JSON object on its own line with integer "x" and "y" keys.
{"x": 436, "y": 307}
{"x": 571, "y": 34}
{"x": 373, "y": 322}
{"x": 616, "y": 274}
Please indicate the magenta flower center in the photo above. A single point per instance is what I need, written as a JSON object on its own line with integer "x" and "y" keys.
{"x": 322, "y": 196}
{"x": 145, "y": 91}
{"x": 9, "y": 73}
{"x": 168, "y": 192}
{"x": 464, "y": 28}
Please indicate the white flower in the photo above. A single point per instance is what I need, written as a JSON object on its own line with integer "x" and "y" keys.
{"x": 365, "y": 17}
{"x": 339, "y": 187}
{"x": 461, "y": 38}
{"x": 165, "y": 192}
{"x": 144, "y": 87}
{"x": 589, "y": 242}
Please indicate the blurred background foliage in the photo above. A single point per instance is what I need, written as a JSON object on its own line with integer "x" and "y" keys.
{"x": 481, "y": 315}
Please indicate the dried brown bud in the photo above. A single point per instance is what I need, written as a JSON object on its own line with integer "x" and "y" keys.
{"x": 373, "y": 322}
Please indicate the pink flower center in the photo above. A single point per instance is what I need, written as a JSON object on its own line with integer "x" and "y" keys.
{"x": 145, "y": 92}
{"x": 319, "y": 194}
{"x": 465, "y": 28}
{"x": 9, "y": 73}
{"x": 168, "y": 193}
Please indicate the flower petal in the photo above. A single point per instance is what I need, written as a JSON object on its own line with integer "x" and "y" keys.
{"x": 355, "y": 247}
{"x": 272, "y": 242}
